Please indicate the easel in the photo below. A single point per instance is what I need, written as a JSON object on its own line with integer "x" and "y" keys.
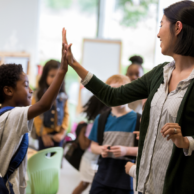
{"x": 103, "y": 43}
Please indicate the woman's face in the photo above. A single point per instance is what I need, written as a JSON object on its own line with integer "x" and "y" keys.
{"x": 51, "y": 76}
{"x": 134, "y": 72}
{"x": 166, "y": 37}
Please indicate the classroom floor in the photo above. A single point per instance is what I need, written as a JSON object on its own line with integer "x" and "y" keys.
{"x": 69, "y": 179}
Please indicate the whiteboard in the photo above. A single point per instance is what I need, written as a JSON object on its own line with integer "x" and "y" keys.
{"x": 18, "y": 60}
{"x": 102, "y": 57}
{"x": 22, "y": 58}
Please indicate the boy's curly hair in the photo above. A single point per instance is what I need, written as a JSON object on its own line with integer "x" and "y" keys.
{"x": 9, "y": 75}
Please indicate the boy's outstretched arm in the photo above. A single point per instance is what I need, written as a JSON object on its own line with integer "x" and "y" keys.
{"x": 50, "y": 95}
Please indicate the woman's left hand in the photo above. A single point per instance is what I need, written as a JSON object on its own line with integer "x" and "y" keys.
{"x": 173, "y": 131}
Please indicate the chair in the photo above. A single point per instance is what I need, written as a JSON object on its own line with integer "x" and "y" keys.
{"x": 43, "y": 171}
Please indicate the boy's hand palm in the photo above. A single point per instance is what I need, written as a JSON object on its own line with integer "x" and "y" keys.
{"x": 67, "y": 49}
{"x": 64, "y": 63}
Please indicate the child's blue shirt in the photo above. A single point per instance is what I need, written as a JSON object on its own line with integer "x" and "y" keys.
{"x": 118, "y": 131}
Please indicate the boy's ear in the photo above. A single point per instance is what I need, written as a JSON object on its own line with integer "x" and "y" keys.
{"x": 8, "y": 91}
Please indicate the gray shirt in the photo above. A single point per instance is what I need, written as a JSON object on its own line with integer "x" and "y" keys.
{"x": 15, "y": 127}
{"x": 157, "y": 150}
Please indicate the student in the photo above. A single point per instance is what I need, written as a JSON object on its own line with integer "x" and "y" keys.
{"x": 118, "y": 142}
{"x": 16, "y": 93}
{"x": 165, "y": 154}
{"x": 51, "y": 126}
{"x": 135, "y": 71}
{"x": 89, "y": 160}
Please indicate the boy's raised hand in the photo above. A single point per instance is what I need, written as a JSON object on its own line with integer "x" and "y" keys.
{"x": 67, "y": 48}
{"x": 64, "y": 63}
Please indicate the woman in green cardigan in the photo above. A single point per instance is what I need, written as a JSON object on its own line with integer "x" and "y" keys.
{"x": 165, "y": 163}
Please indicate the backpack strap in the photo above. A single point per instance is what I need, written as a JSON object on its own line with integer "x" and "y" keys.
{"x": 5, "y": 109}
{"x": 101, "y": 126}
{"x": 137, "y": 128}
{"x": 18, "y": 156}
{"x": 20, "y": 153}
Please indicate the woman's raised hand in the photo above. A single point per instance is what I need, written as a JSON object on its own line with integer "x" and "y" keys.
{"x": 67, "y": 49}
{"x": 67, "y": 58}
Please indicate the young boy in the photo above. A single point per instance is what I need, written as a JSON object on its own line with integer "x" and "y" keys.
{"x": 118, "y": 142}
{"x": 15, "y": 94}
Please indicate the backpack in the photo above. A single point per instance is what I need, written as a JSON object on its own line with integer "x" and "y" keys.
{"x": 74, "y": 154}
{"x": 15, "y": 161}
{"x": 101, "y": 126}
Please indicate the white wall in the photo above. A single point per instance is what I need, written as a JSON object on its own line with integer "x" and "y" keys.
{"x": 19, "y": 21}
{"x": 159, "y": 58}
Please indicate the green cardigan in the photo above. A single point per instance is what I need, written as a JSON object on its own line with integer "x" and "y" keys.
{"x": 180, "y": 172}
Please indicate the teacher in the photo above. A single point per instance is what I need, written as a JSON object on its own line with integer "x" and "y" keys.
{"x": 165, "y": 163}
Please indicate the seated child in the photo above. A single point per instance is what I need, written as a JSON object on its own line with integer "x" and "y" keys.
{"x": 14, "y": 124}
{"x": 118, "y": 143}
{"x": 52, "y": 125}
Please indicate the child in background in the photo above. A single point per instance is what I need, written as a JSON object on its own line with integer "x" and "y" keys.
{"x": 15, "y": 92}
{"x": 118, "y": 142}
{"x": 135, "y": 71}
{"x": 51, "y": 126}
{"x": 87, "y": 166}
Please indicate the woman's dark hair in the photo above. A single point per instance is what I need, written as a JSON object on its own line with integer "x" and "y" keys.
{"x": 136, "y": 60}
{"x": 94, "y": 107}
{"x": 182, "y": 11}
{"x": 9, "y": 75}
{"x": 42, "y": 84}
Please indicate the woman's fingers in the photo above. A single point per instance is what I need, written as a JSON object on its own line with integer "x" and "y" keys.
{"x": 69, "y": 47}
{"x": 171, "y": 131}
{"x": 169, "y": 125}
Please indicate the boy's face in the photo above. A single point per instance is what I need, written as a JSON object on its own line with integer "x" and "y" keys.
{"x": 22, "y": 93}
